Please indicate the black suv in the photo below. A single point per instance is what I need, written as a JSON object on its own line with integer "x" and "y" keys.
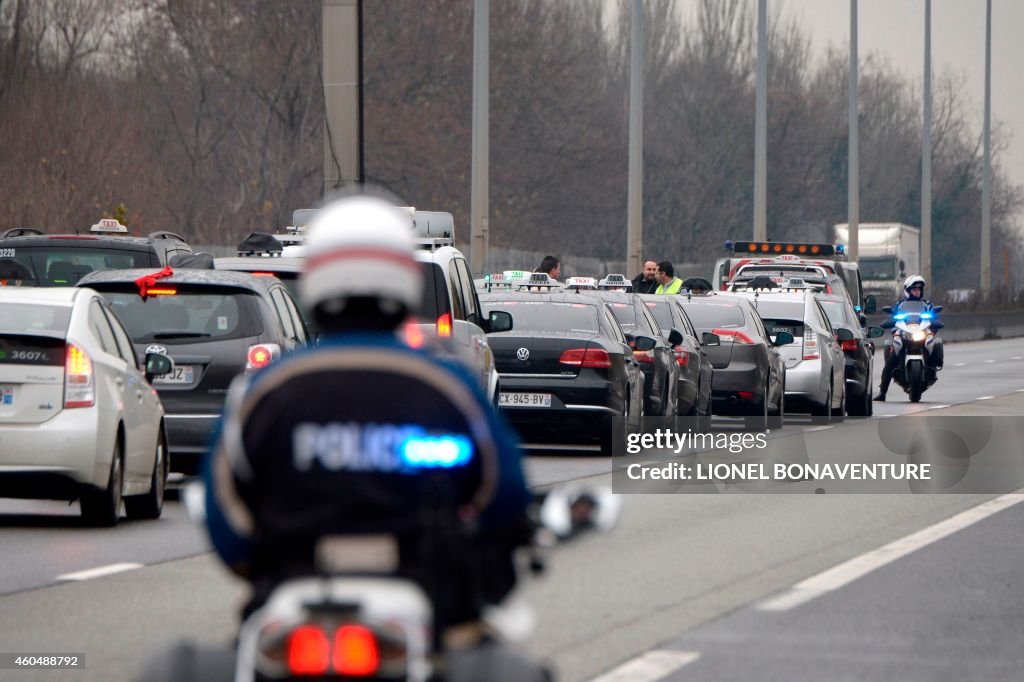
{"x": 214, "y": 325}
{"x": 60, "y": 260}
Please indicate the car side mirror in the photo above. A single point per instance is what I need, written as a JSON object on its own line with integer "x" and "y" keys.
{"x": 675, "y": 338}
{"x": 844, "y": 334}
{"x": 709, "y": 339}
{"x": 875, "y": 332}
{"x": 644, "y": 343}
{"x": 157, "y": 365}
{"x": 782, "y": 338}
{"x": 870, "y": 304}
{"x": 498, "y": 321}
{"x": 887, "y": 309}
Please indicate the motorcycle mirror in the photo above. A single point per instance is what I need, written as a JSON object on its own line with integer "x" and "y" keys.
{"x": 887, "y": 309}
{"x": 569, "y": 510}
{"x": 937, "y": 309}
{"x": 193, "y": 496}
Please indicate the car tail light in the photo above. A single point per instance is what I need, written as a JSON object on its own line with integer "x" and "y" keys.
{"x": 261, "y": 355}
{"x": 811, "y": 345}
{"x": 413, "y": 335}
{"x": 736, "y": 335}
{"x": 682, "y": 357}
{"x": 646, "y": 356}
{"x": 594, "y": 358}
{"x": 745, "y": 395}
{"x": 444, "y": 325}
{"x": 309, "y": 651}
{"x": 851, "y": 345}
{"x": 355, "y": 651}
{"x": 79, "y": 384}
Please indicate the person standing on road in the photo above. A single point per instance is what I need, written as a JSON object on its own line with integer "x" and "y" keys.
{"x": 647, "y": 281}
{"x": 668, "y": 283}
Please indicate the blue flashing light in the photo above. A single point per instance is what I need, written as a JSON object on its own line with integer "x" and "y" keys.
{"x": 856, "y": 308}
{"x": 899, "y": 316}
{"x": 840, "y": 248}
{"x": 728, "y": 244}
{"x": 435, "y": 452}
{"x": 926, "y": 316}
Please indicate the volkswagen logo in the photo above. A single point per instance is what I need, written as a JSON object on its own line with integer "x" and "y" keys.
{"x": 156, "y": 349}
{"x": 523, "y": 354}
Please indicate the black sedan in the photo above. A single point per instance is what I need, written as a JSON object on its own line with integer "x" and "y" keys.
{"x": 695, "y": 371}
{"x": 750, "y": 374}
{"x": 214, "y": 325}
{"x": 661, "y": 371}
{"x": 566, "y": 368}
{"x": 859, "y": 352}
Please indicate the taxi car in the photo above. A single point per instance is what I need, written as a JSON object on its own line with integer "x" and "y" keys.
{"x": 859, "y": 352}
{"x": 213, "y": 325}
{"x": 566, "y": 368}
{"x": 78, "y": 417}
{"x": 60, "y": 260}
{"x": 696, "y": 374}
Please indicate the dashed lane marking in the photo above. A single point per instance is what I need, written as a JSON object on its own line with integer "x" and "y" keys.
{"x": 857, "y": 567}
{"x": 653, "y": 665}
{"x": 986, "y": 397}
{"x": 99, "y": 572}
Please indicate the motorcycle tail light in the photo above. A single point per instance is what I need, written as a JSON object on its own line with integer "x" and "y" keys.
{"x": 309, "y": 651}
{"x": 355, "y": 651}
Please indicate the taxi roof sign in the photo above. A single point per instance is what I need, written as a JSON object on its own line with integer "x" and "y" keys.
{"x": 581, "y": 283}
{"x": 109, "y": 226}
{"x": 615, "y": 281}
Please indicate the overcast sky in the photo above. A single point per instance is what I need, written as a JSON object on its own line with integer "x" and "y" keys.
{"x": 895, "y": 29}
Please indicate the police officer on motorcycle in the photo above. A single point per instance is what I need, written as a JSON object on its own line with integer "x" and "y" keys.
{"x": 367, "y": 436}
{"x": 913, "y": 288}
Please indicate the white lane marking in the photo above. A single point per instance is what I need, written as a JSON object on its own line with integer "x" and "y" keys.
{"x": 653, "y": 665}
{"x": 886, "y": 416}
{"x": 989, "y": 362}
{"x": 1019, "y": 390}
{"x": 986, "y": 397}
{"x": 938, "y": 407}
{"x": 820, "y": 428}
{"x": 100, "y": 571}
{"x": 959, "y": 364}
{"x": 1017, "y": 357}
{"x": 857, "y": 567}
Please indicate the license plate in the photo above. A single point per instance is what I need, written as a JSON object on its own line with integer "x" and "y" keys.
{"x": 6, "y": 395}
{"x": 180, "y": 374}
{"x": 524, "y": 400}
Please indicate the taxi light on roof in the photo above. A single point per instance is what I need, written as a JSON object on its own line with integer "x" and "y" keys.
{"x": 109, "y": 226}
{"x": 309, "y": 651}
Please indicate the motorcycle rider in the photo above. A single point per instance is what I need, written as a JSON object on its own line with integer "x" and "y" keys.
{"x": 318, "y": 445}
{"x": 913, "y": 288}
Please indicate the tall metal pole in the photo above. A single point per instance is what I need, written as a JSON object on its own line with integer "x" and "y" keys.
{"x": 986, "y": 180}
{"x": 761, "y": 126}
{"x": 635, "y": 192}
{"x": 926, "y": 151}
{"x": 853, "y": 173}
{"x": 479, "y": 201}
{"x": 341, "y": 67}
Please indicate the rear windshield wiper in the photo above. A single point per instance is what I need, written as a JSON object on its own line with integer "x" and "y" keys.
{"x": 179, "y": 335}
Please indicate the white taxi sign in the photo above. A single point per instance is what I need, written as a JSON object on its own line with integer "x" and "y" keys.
{"x": 581, "y": 283}
{"x": 109, "y": 226}
{"x": 787, "y": 258}
{"x": 516, "y": 274}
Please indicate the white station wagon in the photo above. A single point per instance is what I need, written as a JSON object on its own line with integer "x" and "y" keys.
{"x": 78, "y": 419}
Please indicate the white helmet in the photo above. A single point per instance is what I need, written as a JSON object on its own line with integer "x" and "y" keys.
{"x": 361, "y": 247}
{"x": 912, "y": 281}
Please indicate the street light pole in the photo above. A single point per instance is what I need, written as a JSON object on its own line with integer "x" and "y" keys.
{"x": 635, "y": 182}
{"x": 926, "y": 151}
{"x": 479, "y": 193}
{"x": 986, "y": 181}
{"x": 853, "y": 172}
{"x": 761, "y": 126}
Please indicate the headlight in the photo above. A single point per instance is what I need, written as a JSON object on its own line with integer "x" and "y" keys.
{"x": 919, "y": 336}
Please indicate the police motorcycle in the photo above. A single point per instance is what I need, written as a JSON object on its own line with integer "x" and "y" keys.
{"x": 915, "y": 324}
{"x": 357, "y": 620}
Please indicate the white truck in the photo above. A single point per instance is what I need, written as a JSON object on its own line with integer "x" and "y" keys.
{"x": 887, "y": 253}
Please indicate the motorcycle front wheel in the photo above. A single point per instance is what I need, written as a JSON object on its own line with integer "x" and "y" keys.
{"x": 915, "y": 381}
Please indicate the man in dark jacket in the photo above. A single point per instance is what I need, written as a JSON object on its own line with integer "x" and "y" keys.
{"x": 646, "y": 282}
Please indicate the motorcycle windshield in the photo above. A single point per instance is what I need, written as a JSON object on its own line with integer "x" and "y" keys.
{"x": 912, "y": 312}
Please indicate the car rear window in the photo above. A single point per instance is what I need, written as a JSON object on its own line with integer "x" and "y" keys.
{"x": 193, "y": 313}
{"x": 548, "y": 316}
{"x": 707, "y": 316}
{"x": 63, "y": 266}
{"x": 34, "y": 318}
{"x": 22, "y": 349}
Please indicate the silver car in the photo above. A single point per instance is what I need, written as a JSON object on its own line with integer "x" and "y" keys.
{"x": 815, "y": 364}
{"x": 78, "y": 418}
